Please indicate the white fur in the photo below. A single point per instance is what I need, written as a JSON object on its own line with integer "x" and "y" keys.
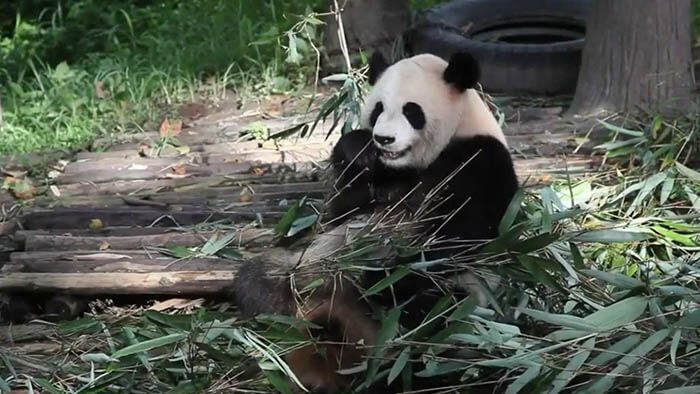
{"x": 448, "y": 112}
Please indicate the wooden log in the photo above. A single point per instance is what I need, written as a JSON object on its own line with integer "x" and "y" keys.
{"x": 144, "y": 265}
{"x": 57, "y": 257}
{"x": 70, "y": 242}
{"x": 109, "y": 172}
{"x": 553, "y": 165}
{"x": 214, "y": 134}
{"x": 25, "y": 332}
{"x": 121, "y": 154}
{"x": 80, "y": 218}
{"x": 141, "y": 186}
{"x": 130, "y": 238}
{"x": 152, "y": 283}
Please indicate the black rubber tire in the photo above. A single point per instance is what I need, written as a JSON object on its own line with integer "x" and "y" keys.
{"x": 541, "y": 68}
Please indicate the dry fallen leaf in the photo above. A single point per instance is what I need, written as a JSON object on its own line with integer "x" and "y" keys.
{"x": 20, "y": 188}
{"x": 179, "y": 169}
{"x": 100, "y": 89}
{"x": 104, "y": 245}
{"x": 95, "y": 224}
{"x": 257, "y": 171}
{"x": 167, "y": 129}
{"x": 97, "y": 256}
{"x": 175, "y": 176}
{"x": 183, "y": 149}
{"x": 164, "y": 127}
{"x": 176, "y": 303}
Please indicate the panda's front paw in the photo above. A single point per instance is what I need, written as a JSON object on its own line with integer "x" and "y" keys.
{"x": 355, "y": 149}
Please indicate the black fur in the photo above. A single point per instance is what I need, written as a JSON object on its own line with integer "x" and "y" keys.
{"x": 256, "y": 291}
{"x": 377, "y": 66}
{"x": 415, "y": 115}
{"x": 378, "y": 109}
{"x": 462, "y": 71}
{"x": 487, "y": 183}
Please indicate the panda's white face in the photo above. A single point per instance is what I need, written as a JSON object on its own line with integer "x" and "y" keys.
{"x": 414, "y": 112}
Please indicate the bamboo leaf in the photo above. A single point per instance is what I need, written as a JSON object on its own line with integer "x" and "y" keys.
{"x": 681, "y": 390}
{"x": 620, "y": 130}
{"x": 285, "y": 223}
{"x": 571, "y": 369}
{"x": 388, "y": 281}
{"x": 674, "y": 345}
{"x": 389, "y": 328}
{"x": 511, "y": 212}
{"x": 46, "y": 385}
{"x": 278, "y": 381}
{"x": 666, "y": 190}
{"x": 603, "y": 384}
{"x": 648, "y": 187}
{"x": 688, "y": 173}
{"x": 569, "y": 321}
{"x": 216, "y": 243}
{"x": 302, "y": 224}
{"x": 465, "y": 308}
{"x": 619, "y": 144}
{"x": 576, "y": 256}
{"x": 618, "y": 314}
{"x": 148, "y": 345}
{"x": 524, "y": 379}
{"x": 537, "y": 242}
{"x": 689, "y": 321}
{"x": 618, "y": 349}
{"x": 399, "y": 364}
{"x": 527, "y": 359}
{"x": 674, "y": 236}
{"x": 611, "y": 236}
{"x": 615, "y": 279}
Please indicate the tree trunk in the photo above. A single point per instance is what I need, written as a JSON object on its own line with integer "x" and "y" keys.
{"x": 637, "y": 55}
{"x": 369, "y": 25}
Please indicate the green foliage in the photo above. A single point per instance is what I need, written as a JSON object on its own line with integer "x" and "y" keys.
{"x": 85, "y": 68}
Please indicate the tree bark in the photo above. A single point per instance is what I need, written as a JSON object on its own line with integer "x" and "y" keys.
{"x": 637, "y": 55}
{"x": 369, "y": 25}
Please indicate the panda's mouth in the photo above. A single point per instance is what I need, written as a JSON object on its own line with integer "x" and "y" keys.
{"x": 389, "y": 155}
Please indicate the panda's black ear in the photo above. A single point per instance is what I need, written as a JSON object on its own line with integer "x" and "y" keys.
{"x": 377, "y": 65}
{"x": 462, "y": 71}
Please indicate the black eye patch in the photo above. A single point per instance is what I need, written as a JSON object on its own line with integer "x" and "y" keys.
{"x": 414, "y": 113}
{"x": 378, "y": 109}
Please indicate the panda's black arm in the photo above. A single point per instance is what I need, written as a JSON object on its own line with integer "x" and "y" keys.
{"x": 488, "y": 180}
{"x": 354, "y": 159}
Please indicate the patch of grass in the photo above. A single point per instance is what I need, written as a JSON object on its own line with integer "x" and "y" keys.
{"x": 84, "y": 69}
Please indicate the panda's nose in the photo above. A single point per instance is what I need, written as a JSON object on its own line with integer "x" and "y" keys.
{"x": 384, "y": 140}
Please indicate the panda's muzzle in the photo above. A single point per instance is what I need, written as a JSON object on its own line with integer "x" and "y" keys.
{"x": 393, "y": 155}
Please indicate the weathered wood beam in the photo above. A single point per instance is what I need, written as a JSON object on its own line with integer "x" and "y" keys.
{"x": 151, "y": 283}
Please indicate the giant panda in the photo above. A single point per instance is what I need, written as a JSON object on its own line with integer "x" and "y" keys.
{"x": 429, "y": 149}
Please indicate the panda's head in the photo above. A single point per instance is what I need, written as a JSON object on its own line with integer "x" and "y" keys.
{"x": 419, "y": 104}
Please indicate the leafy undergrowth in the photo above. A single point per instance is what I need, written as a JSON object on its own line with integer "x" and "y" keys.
{"x": 74, "y": 71}
{"x": 602, "y": 295}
